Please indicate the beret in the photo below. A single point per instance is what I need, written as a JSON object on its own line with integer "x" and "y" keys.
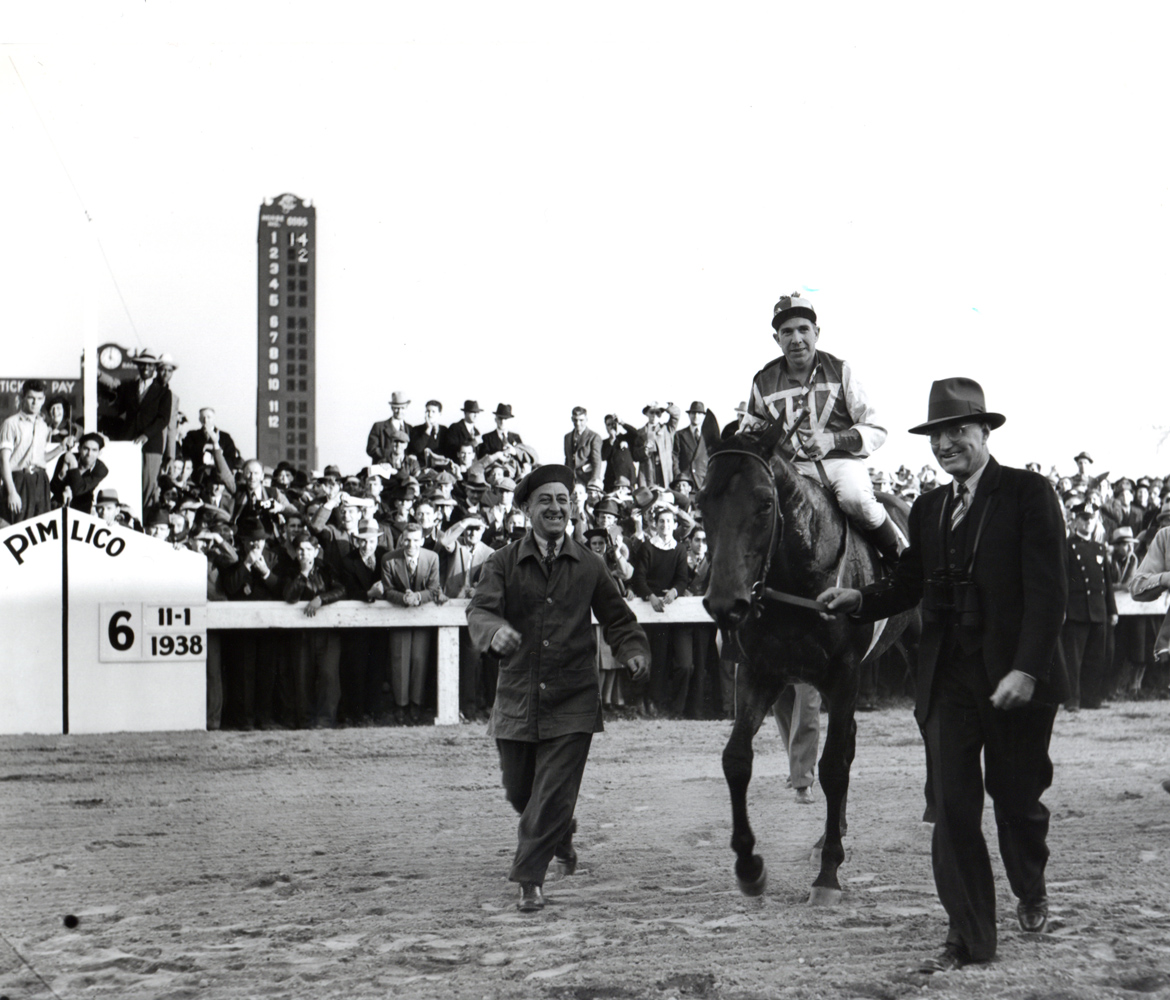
{"x": 541, "y": 477}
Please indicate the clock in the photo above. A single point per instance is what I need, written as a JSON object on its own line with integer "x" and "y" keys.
{"x": 110, "y": 357}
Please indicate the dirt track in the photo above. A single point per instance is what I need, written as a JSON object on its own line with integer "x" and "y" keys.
{"x": 372, "y": 862}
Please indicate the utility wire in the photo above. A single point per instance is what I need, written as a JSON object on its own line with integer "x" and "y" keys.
{"x": 80, "y": 200}
{"x": 30, "y": 968}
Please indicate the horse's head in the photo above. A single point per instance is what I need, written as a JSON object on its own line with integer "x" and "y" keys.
{"x": 742, "y": 519}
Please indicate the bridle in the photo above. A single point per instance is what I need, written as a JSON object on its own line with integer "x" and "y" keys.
{"x": 760, "y": 591}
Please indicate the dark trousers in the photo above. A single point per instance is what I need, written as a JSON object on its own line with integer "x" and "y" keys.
{"x": 316, "y": 676}
{"x": 541, "y": 781}
{"x": 1084, "y": 659}
{"x": 960, "y": 726}
{"x": 472, "y": 696}
{"x": 672, "y": 663}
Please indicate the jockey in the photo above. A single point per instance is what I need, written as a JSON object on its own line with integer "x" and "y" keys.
{"x": 838, "y": 427}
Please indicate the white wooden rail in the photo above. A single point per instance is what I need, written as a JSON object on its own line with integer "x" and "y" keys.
{"x": 450, "y": 617}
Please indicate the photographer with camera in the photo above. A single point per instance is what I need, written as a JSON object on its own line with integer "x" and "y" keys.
{"x": 987, "y": 560}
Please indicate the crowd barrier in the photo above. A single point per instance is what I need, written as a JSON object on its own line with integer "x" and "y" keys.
{"x": 448, "y": 618}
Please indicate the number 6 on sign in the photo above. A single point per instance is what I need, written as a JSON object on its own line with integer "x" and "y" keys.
{"x": 119, "y": 627}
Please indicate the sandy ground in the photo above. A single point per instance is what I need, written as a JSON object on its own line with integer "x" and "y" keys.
{"x": 372, "y": 863}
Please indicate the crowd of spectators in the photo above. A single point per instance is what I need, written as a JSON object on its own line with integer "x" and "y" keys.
{"x": 416, "y": 524}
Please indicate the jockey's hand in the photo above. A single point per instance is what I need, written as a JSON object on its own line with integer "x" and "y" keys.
{"x": 1013, "y": 691}
{"x": 506, "y": 640}
{"x": 639, "y": 667}
{"x": 816, "y": 444}
{"x": 839, "y": 601}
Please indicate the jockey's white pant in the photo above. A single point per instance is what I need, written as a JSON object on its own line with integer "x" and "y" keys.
{"x": 850, "y": 481}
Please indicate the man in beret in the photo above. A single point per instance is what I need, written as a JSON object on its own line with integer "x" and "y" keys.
{"x": 987, "y": 559}
{"x": 836, "y": 425}
{"x": 532, "y": 608}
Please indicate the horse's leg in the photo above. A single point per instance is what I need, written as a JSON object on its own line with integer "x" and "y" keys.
{"x": 836, "y": 760}
{"x": 737, "y": 769}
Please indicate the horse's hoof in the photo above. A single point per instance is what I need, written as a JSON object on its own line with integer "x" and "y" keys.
{"x": 823, "y": 896}
{"x": 756, "y": 886}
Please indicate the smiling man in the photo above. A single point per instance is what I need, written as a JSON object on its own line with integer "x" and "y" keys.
{"x": 837, "y": 424}
{"x": 532, "y": 608}
{"x": 987, "y": 560}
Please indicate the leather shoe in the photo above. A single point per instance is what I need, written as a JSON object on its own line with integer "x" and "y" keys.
{"x": 531, "y": 898}
{"x": 566, "y": 855}
{"x": 1033, "y": 915}
{"x": 953, "y": 957}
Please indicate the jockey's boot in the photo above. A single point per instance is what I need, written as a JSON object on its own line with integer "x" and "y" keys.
{"x": 888, "y": 540}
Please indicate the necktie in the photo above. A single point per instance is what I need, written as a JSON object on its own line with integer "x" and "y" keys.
{"x": 960, "y": 510}
{"x": 550, "y": 555}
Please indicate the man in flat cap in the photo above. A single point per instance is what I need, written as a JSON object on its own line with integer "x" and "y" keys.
{"x": 532, "y": 608}
{"x": 837, "y": 426}
{"x": 987, "y": 560}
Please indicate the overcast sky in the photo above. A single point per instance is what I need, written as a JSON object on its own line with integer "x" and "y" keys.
{"x": 549, "y": 205}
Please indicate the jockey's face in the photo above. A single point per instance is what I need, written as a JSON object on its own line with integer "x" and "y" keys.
{"x": 797, "y": 338}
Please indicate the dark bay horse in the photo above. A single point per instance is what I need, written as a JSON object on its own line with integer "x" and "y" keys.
{"x": 774, "y": 535}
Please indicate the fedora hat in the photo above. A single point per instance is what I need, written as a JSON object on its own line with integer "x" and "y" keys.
{"x": 955, "y": 400}
{"x": 697, "y": 407}
{"x": 1122, "y": 534}
{"x": 471, "y": 406}
{"x": 167, "y": 360}
{"x": 399, "y": 398}
{"x": 1085, "y": 455}
{"x": 145, "y": 357}
{"x": 106, "y": 496}
{"x": 504, "y": 411}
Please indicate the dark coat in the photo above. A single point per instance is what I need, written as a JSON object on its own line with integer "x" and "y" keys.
{"x": 549, "y": 687}
{"x": 584, "y": 456}
{"x": 619, "y": 458}
{"x": 1090, "y": 592}
{"x": 357, "y": 576}
{"x": 197, "y": 445}
{"x": 378, "y": 443}
{"x": 148, "y": 416}
{"x": 492, "y": 442}
{"x": 422, "y": 438}
{"x": 457, "y": 436}
{"x": 1019, "y": 574}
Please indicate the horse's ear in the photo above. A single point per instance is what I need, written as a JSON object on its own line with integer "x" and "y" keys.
{"x": 766, "y": 442}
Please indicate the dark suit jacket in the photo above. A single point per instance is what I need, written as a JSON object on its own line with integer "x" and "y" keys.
{"x": 397, "y": 578}
{"x": 196, "y": 443}
{"x": 1090, "y": 592}
{"x": 422, "y": 438}
{"x": 148, "y": 416}
{"x": 586, "y": 453}
{"x": 492, "y": 442}
{"x": 457, "y": 436}
{"x": 378, "y": 442}
{"x": 1019, "y": 573}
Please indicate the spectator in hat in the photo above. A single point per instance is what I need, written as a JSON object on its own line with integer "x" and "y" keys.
{"x": 106, "y": 505}
{"x": 428, "y": 441}
{"x": 815, "y": 395}
{"x": 316, "y": 652}
{"x": 617, "y": 453}
{"x": 77, "y": 477}
{"x": 158, "y": 524}
{"x": 1133, "y": 634}
{"x": 211, "y": 450}
{"x": 61, "y": 425}
{"x": 1082, "y": 476}
{"x": 464, "y": 432}
{"x": 500, "y": 439}
{"x": 732, "y": 427}
{"x": 1123, "y": 511}
{"x": 149, "y": 423}
{"x": 583, "y": 448}
{"x": 24, "y": 453}
{"x": 654, "y": 444}
{"x": 533, "y": 608}
{"x": 403, "y": 464}
{"x": 379, "y": 439}
{"x": 410, "y": 578}
{"x": 1091, "y": 610}
{"x": 690, "y": 448}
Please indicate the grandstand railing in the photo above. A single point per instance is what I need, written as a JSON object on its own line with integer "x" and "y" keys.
{"x": 448, "y": 618}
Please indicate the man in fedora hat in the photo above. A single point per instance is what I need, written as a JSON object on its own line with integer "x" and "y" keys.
{"x": 836, "y": 425}
{"x": 532, "y": 608}
{"x": 464, "y": 432}
{"x": 690, "y": 444}
{"x": 987, "y": 559}
{"x": 500, "y": 438}
{"x": 378, "y": 441}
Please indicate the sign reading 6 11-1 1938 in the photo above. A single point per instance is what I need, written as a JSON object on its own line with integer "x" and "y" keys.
{"x": 151, "y": 633}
